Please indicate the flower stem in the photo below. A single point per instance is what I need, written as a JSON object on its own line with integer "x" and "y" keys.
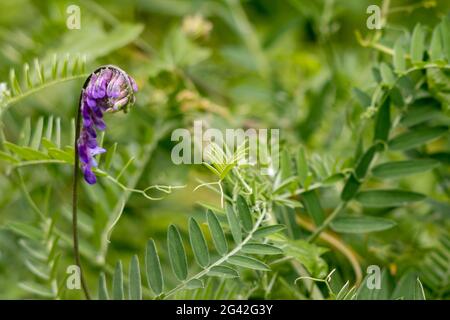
{"x": 76, "y": 250}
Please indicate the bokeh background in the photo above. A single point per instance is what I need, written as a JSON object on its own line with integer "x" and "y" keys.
{"x": 234, "y": 64}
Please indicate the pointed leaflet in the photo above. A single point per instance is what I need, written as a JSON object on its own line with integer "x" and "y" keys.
{"x": 223, "y": 272}
{"x": 313, "y": 206}
{"x": 387, "y": 75}
{"x": 417, "y": 44}
{"x": 109, "y": 156}
{"x": 436, "y": 45}
{"x": 268, "y": 230}
{"x": 350, "y": 188}
{"x": 365, "y": 161}
{"x": 153, "y": 268}
{"x": 261, "y": 248}
{"x": 420, "y": 111}
{"x": 117, "y": 293}
{"x": 362, "y": 97}
{"x": 37, "y": 135}
{"x": 366, "y": 289}
{"x": 25, "y": 230}
{"x": 233, "y": 223}
{"x": 194, "y": 284}
{"x": 445, "y": 36}
{"x": 217, "y": 233}
{"x": 415, "y": 138}
{"x": 177, "y": 255}
{"x": 362, "y": 224}
{"x": 383, "y": 121}
{"x": 399, "y": 57}
{"x": 302, "y": 166}
{"x": 26, "y": 153}
{"x": 408, "y": 288}
{"x": 396, "y": 169}
{"x": 387, "y": 198}
{"x": 248, "y": 262}
{"x": 244, "y": 213}
{"x": 134, "y": 278}
{"x": 198, "y": 243}
{"x": 102, "y": 290}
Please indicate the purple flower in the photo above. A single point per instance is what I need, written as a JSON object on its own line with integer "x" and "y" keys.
{"x": 109, "y": 90}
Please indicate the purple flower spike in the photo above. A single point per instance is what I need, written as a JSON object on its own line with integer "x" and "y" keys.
{"x": 109, "y": 89}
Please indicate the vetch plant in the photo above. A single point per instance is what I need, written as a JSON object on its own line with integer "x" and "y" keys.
{"x": 359, "y": 178}
{"x": 108, "y": 89}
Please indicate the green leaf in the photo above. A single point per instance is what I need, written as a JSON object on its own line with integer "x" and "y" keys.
{"x": 8, "y": 158}
{"x": 198, "y": 243}
{"x": 37, "y": 289}
{"x": 36, "y": 139}
{"x": 415, "y": 138}
{"x": 417, "y": 44}
{"x": 419, "y": 292}
{"x": 233, "y": 223}
{"x": 117, "y": 293}
{"x": 177, "y": 254}
{"x": 362, "y": 97}
{"x": 369, "y": 291}
{"x": 387, "y": 198}
{"x": 217, "y": 234}
{"x": 268, "y": 230}
{"x": 302, "y": 166}
{"x": 194, "y": 284}
{"x": 361, "y": 224}
{"x": 383, "y": 121}
{"x": 41, "y": 272}
{"x": 135, "y": 279}
{"x": 25, "y": 153}
{"x": 309, "y": 255}
{"x": 333, "y": 179}
{"x": 47, "y": 144}
{"x": 397, "y": 169}
{"x": 409, "y": 288}
{"x": 102, "y": 290}
{"x": 365, "y": 161}
{"x": 59, "y": 154}
{"x": 244, "y": 213}
{"x": 422, "y": 110}
{"x": 313, "y": 207}
{"x": 25, "y": 230}
{"x": 350, "y": 188}
{"x": 261, "y": 248}
{"x": 14, "y": 83}
{"x": 248, "y": 262}
{"x": 399, "y": 57}
{"x": 436, "y": 53}
{"x": 153, "y": 268}
{"x": 445, "y": 36}
{"x": 223, "y": 272}
{"x": 109, "y": 156}
{"x": 26, "y": 71}
{"x": 387, "y": 75}
{"x": 25, "y": 133}
{"x": 285, "y": 165}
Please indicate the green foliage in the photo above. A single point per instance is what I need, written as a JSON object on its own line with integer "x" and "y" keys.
{"x": 223, "y": 267}
{"x": 40, "y": 77}
{"x": 362, "y": 177}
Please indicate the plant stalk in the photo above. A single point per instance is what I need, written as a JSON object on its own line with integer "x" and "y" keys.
{"x": 329, "y": 219}
{"x": 76, "y": 250}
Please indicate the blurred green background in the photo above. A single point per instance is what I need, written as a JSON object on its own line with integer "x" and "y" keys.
{"x": 235, "y": 64}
